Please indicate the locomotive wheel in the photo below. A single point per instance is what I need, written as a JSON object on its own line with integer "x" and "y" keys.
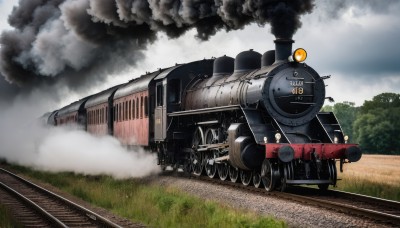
{"x": 267, "y": 175}
{"x": 211, "y": 170}
{"x": 196, "y": 163}
{"x": 246, "y": 177}
{"x": 196, "y": 157}
{"x": 256, "y": 178}
{"x": 210, "y": 138}
{"x": 223, "y": 171}
{"x": 233, "y": 174}
{"x": 331, "y": 166}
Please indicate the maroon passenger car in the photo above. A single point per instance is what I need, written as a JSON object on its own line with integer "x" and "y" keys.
{"x": 100, "y": 113}
{"x": 131, "y": 112}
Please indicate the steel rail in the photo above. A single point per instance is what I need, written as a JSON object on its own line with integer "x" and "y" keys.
{"x": 88, "y": 213}
{"x": 46, "y": 215}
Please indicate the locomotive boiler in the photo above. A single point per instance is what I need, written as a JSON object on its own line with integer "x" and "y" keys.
{"x": 254, "y": 119}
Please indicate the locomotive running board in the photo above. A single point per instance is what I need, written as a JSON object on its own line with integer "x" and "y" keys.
{"x": 204, "y": 110}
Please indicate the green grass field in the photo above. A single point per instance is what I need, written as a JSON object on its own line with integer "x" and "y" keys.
{"x": 151, "y": 205}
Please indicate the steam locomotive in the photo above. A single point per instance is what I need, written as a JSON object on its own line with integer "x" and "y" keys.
{"x": 254, "y": 119}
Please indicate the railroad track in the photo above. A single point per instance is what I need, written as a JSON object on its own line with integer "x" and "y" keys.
{"x": 376, "y": 209}
{"x": 385, "y": 211}
{"x": 35, "y": 206}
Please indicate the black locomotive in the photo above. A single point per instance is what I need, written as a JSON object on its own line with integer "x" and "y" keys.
{"x": 254, "y": 118}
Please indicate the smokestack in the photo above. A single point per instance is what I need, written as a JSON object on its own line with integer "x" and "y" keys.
{"x": 283, "y": 49}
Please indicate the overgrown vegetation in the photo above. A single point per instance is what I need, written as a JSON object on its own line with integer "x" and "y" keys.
{"x": 375, "y": 125}
{"x": 152, "y": 205}
{"x": 6, "y": 220}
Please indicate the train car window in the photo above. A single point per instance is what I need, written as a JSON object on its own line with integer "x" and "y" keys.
{"x": 159, "y": 95}
{"x": 146, "y": 106}
{"x": 117, "y": 113}
{"x": 141, "y": 107}
{"x": 174, "y": 91}
{"x": 130, "y": 109}
{"x": 126, "y": 110}
{"x": 120, "y": 112}
{"x": 106, "y": 115}
{"x": 102, "y": 115}
{"x": 114, "y": 112}
{"x": 123, "y": 111}
{"x": 137, "y": 107}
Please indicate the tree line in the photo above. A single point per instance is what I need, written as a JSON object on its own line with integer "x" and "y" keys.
{"x": 375, "y": 125}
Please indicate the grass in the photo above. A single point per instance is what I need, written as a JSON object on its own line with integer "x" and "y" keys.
{"x": 151, "y": 205}
{"x": 374, "y": 175}
{"x": 6, "y": 220}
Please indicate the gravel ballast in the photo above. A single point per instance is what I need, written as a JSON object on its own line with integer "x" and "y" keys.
{"x": 295, "y": 214}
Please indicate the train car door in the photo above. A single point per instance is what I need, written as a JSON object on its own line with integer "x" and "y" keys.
{"x": 160, "y": 113}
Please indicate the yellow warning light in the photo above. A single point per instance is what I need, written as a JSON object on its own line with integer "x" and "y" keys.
{"x": 299, "y": 55}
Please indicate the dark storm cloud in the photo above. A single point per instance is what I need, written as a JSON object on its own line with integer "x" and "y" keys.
{"x": 364, "y": 37}
{"x": 335, "y": 9}
{"x": 75, "y": 41}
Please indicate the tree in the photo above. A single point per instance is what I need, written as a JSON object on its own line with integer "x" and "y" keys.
{"x": 346, "y": 114}
{"x": 383, "y": 100}
{"x": 377, "y": 128}
{"x": 378, "y": 131}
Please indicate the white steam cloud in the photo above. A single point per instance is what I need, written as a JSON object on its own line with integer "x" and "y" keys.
{"x": 25, "y": 141}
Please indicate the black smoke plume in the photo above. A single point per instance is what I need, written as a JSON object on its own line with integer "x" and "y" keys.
{"x": 69, "y": 40}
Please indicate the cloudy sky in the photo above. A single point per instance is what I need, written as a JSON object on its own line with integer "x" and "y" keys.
{"x": 356, "y": 42}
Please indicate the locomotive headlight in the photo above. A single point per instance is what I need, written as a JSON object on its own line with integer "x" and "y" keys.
{"x": 335, "y": 139}
{"x": 346, "y": 138}
{"x": 278, "y": 137}
{"x": 299, "y": 55}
